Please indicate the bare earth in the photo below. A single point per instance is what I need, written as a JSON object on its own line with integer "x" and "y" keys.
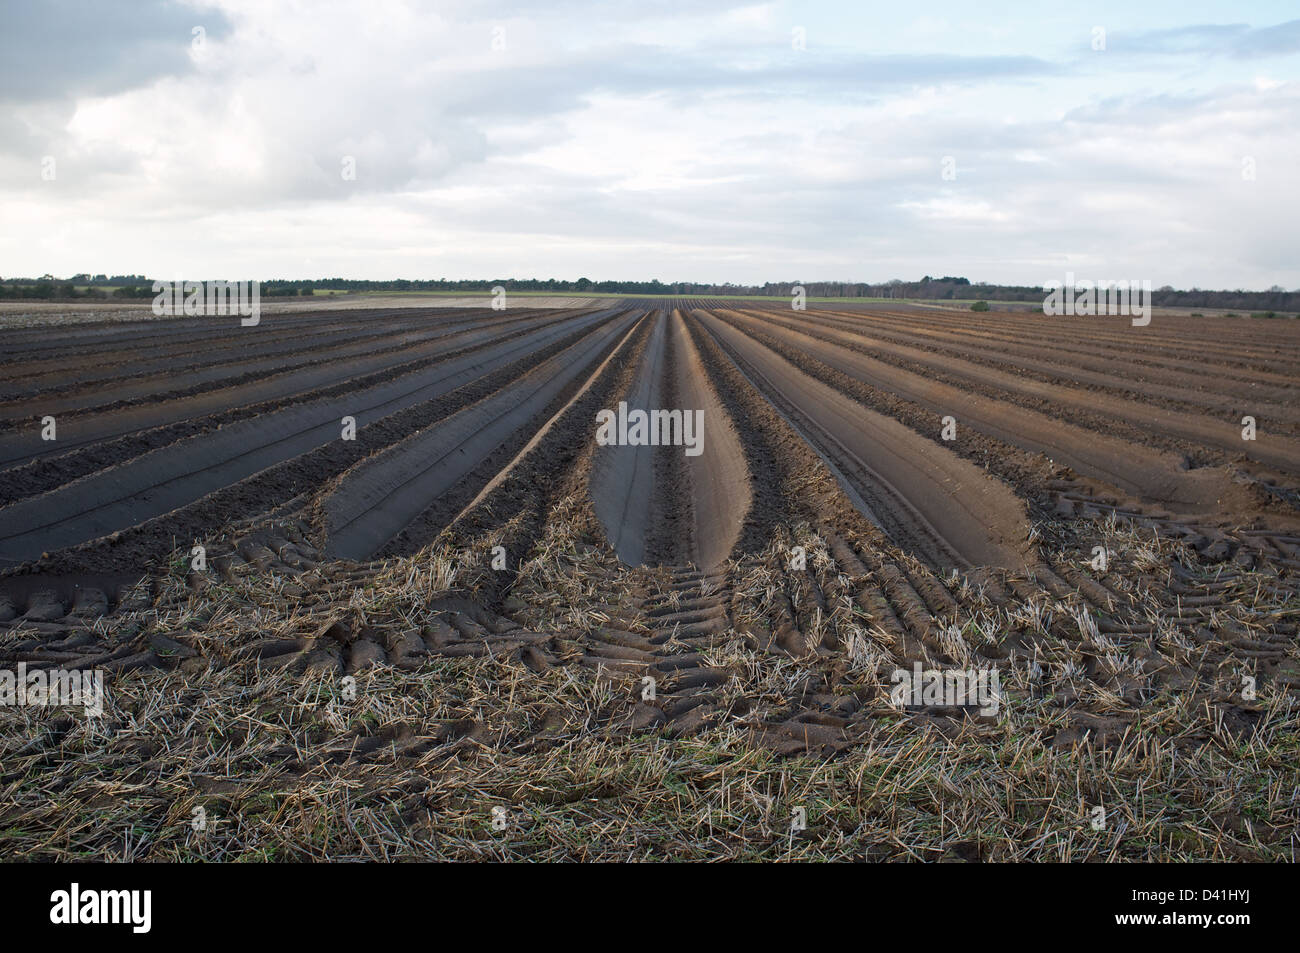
{"x": 827, "y": 535}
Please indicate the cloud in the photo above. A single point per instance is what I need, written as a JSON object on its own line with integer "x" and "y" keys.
{"x": 1238, "y": 40}
{"x": 646, "y": 139}
{"x": 57, "y": 49}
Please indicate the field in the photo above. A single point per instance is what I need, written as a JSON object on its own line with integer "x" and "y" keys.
{"x": 432, "y": 616}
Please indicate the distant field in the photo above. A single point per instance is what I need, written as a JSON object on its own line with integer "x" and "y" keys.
{"x": 14, "y": 314}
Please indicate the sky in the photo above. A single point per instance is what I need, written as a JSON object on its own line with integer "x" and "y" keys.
{"x": 637, "y": 139}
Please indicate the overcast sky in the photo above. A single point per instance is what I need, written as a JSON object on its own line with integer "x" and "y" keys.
{"x": 652, "y": 139}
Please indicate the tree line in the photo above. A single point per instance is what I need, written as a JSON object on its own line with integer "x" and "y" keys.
{"x": 135, "y": 287}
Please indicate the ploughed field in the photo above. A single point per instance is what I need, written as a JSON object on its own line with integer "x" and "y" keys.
{"x": 417, "y": 498}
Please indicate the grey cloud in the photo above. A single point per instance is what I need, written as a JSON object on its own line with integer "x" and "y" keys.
{"x": 644, "y": 70}
{"x": 607, "y": 10}
{"x": 54, "y": 49}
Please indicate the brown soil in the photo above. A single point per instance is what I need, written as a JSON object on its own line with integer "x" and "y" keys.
{"x": 826, "y": 535}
